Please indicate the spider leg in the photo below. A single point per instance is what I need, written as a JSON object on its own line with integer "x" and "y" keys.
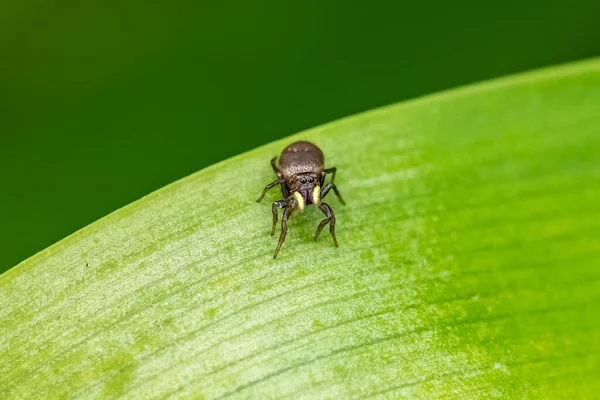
{"x": 328, "y": 211}
{"x": 286, "y": 214}
{"x": 276, "y": 205}
{"x": 330, "y": 186}
{"x": 269, "y": 186}
{"x": 331, "y": 171}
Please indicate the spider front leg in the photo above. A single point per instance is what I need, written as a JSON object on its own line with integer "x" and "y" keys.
{"x": 286, "y": 214}
{"x": 331, "y": 171}
{"x": 276, "y": 205}
{"x": 328, "y": 211}
{"x": 269, "y": 186}
{"x": 330, "y": 186}
{"x": 275, "y": 166}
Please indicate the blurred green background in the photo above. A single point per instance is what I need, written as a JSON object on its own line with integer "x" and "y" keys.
{"x": 104, "y": 102}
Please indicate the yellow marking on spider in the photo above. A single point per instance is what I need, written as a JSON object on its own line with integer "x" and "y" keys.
{"x": 299, "y": 200}
{"x": 317, "y": 195}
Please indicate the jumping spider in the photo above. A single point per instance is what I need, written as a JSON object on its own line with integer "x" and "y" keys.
{"x": 301, "y": 174}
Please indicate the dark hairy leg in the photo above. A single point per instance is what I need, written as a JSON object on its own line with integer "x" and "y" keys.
{"x": 276, "y": 205}
{"x": 328, "y": 211}
{"x": 269, "y": 186}
{"x": 330, "y": 186}
{"x": 331, "y": 171}
{"x": 286, "y": 214}
{"x": 275, "y": 166}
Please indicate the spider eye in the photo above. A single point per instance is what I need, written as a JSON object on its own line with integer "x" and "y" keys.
{"x": 303, "y": 180}
{"x": 311, "y": 179}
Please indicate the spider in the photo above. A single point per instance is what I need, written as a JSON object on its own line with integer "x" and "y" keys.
{"x": 301, "y": 174}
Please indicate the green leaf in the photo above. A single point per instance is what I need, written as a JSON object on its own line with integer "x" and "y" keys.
{"x": 467, "y": 267}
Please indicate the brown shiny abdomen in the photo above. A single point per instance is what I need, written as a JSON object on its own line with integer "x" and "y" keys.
{"x": 301, "y": 157}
